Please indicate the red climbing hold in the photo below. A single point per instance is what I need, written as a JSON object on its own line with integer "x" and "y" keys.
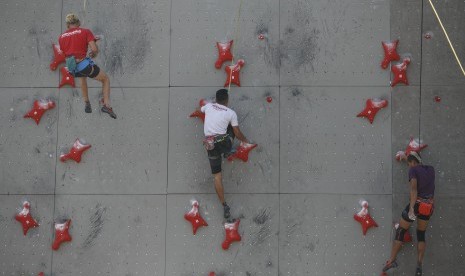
{"x": 211, "y": 274}
{"x": 66, "y": 78}
{"x": 199, "y": 114}
{"x": 407, "y": 236}
{"x": 414, "y": 145}
{"x": 75, "y": 153}
{"x": 364, "y": 218}
{"x": 61, "y": 234}
{"x": 242, "y": 152}
{"x": 269, "y": 99}
{"x": 400, "y": 72}
{"x": 232, "y": 73}
{"x": 372, "y": 107}
{"x": 26, "y": 218}
{"x": 231, "y": 234}
{"x": 261, "y": 36}
{"x": 58, "y": 57}
{"x": 437, "y": 99}
{"x": 390, "y": 53}
{"x": 194, "y": 217}
{"x": 39, "y": 108}
{"x": 41, "y": 274}
{"x": 224, "y": 53}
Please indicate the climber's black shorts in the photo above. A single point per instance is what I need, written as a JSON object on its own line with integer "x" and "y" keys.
{"x": 91, "y": 71}
{"x": 215, "y": 155}
{"x": 415, "y": 210}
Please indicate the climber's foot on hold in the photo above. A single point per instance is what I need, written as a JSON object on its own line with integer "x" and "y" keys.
{"x": 88, "y": 108}
{"x": 109, "y": 111}
{"x": 227, "y": 213}
{"x": 419, "y": 271}
{"x": 389, "y": 265}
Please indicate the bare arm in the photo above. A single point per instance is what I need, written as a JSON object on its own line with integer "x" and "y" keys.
{"x": 239, "y": 134}
{"x": 93, "y": 48}
{"x": 413, "y": 193}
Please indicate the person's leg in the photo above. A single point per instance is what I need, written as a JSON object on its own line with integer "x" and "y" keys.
{"x": 397, "y": 244}
{"x": 85, "y": 95}
{"x": 84, "y": 89}
{"x": 421, "y": 245}
{"x": 219, "y": 186}
{"x": 105, "y": 80}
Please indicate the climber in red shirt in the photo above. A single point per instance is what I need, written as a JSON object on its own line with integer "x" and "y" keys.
{"x": 74, "y": 43}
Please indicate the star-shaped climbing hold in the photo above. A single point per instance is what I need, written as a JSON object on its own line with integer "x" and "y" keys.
{"x": 364, "y": 218}
{"x": 224, "y": 53}
{"x": 390, "y": 52}
{"x": 25, "y": 218}
{"x": 66, "y": 78}
{"x": 61, "y": 234}
{"x": 232, "y": 235}
{"x": 407, "y": 236}
{"x": 242, "y": 152}
{"x": 76, "y": 151}
{"x": 199, "y": 114}
{"x": 400, "y": 72}
{"x": 194, "y": 217}
{"x": 232, "y": 73}
{"x": 58, "y": 57}
{"x": 38, "y": 109}
{"x": 415, "y": 145}
{"x": 372, "y": 107}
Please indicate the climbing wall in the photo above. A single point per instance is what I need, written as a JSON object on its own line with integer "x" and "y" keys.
{"x": 310, "y": 66}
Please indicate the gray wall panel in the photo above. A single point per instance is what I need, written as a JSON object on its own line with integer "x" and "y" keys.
{"x": 128, "y": 155}
{"x": 326, "y": 149}
{"x": 323, "y": 42}
{"x": 27, "y": 30}
{"x": 30, "y": 254}
{"x": 135, "y": 47}
{"x": 442, "y": 128}
{"x": 27, "y": 150}
{"x": 121, "y": 234}
{"x": 256, "y": 254}
{"x": 189, "y": 170}
{"x": 198, "y": 25}
{"x": 318, "y": 235}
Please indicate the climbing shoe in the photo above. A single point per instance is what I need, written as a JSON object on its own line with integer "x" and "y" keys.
{"x": 109, "y": 111}
{"x": 389, "y": 265}
{"x": 88, "y": 108}
{"x": 227, "y": 212}
{"x": 419, "y": 271}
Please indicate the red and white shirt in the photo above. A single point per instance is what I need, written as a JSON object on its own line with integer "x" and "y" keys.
{"x": 74, "y": 42}
{"x": 217, "y": 119}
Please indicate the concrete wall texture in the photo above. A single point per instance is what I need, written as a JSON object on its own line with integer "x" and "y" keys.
{"x": 319, "y": 61}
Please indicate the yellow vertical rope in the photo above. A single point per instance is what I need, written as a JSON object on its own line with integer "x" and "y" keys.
{"x": 447, "y": 37}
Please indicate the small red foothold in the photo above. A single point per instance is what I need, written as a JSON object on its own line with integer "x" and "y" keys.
{"x": 41, "y": 274}
{"x": 390, "y": 52}
{"x": 61, "y": 234}
{"x": 428, "y": 35}
{"x": 372, "y": 106}
{"x": 261, "y": 36}
{"x": 76, "y": 151}
{"x": 38, "y": 109}
{"x": 400, "y": 72}
{"x": 25, "y": 218}
{"x": 232, "y": 73}
{"x": 364, "y": 218}
{"x": 269, "y": 99}
{"x": 194, "y": 217}
{"x": 66, "y": 78}
{"x": 224, "y": 53}
{"x": 232, "y": 234}
{"x": 211, "y": 274}
{"x": 58, "y": 57}
{"x": 437, "y": 99}
{"x": 242, "y": 152}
